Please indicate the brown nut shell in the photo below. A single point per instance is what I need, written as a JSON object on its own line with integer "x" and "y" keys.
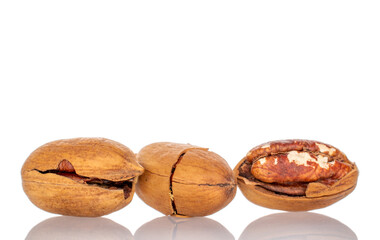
{"x": 295, "y": 196}
{"x": 81, "y": 177}
{"x": 184, "y": 180}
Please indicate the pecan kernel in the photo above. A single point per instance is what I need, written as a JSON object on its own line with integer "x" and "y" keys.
{"x": 298, "y": 166}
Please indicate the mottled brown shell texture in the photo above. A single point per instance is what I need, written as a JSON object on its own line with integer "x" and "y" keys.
{"x": 295, "y": 175}
{"x": 81, "y": 177}
{"x": 184, "y": 180}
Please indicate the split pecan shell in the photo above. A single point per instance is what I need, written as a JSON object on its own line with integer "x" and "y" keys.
{"x": 81, "y": 177}
{"x": 296, "y": 175}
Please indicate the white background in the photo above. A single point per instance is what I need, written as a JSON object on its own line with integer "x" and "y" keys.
{"x": 227, "y": 75}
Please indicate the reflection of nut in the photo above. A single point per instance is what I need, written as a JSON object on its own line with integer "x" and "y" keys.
{"x": 184, "y": 180}
{"x": 297, "y": 225}
{"x": 64, "y": 227}
{"x": 171, "y": 228}
{"x": 81, "y": 177}
{"x": 296, "y": 175}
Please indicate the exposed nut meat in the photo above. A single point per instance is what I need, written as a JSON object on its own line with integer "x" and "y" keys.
{"x": 298, "y": 166}
{"x": 284, "y": 146}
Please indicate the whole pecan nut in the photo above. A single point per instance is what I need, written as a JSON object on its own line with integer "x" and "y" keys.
{"x": 184, "y": 180}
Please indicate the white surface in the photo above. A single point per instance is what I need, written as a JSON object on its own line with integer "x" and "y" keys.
{"x": 218, "y": 74}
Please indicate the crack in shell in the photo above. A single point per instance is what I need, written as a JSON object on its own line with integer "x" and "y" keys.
{"x": 174, "y": 208}
{"x": 66, "y": 169}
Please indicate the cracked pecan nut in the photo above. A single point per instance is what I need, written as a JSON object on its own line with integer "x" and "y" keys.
{"x": 184, "y": 180}
{"x": 81, "y": 177}
{"x": 295, "y": 175}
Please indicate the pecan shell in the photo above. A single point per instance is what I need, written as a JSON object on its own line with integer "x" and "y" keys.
{"x": 299, "y": 174}
{"x": 184, "y": 180}
{"x": 81, "y": 176}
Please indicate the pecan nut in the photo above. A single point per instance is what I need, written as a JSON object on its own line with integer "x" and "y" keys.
{"x": 184, "y": 180}
{"x": 296, "y": 175}
{"x": 81, "y": 176}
